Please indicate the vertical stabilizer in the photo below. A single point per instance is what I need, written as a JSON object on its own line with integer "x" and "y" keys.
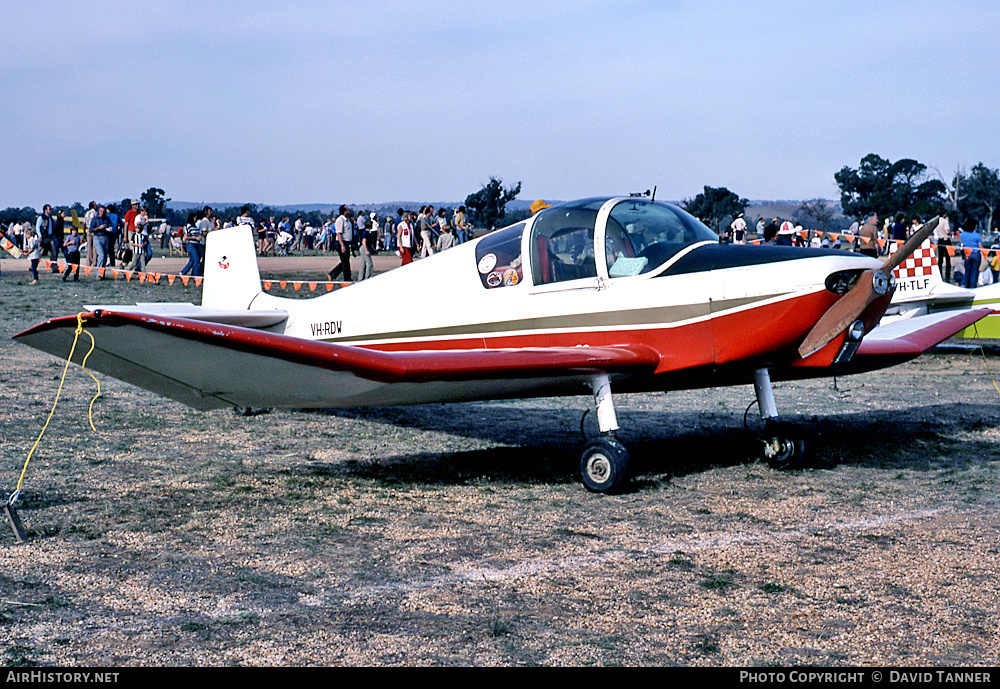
{"x": 232, "y": 278}
{"x": 918, "y": 275}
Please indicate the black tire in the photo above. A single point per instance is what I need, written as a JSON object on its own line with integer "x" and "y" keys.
{"x": 782, "y": 448}
{"x": 605, "y": 466}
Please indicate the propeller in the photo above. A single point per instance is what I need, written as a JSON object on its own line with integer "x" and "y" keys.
{"x": 872, "y": 284}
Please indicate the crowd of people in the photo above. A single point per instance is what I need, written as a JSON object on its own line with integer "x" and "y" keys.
{"x": 871, "y": 237}
{"x": 105, "y": 238}
{"x": 102, "y": 238}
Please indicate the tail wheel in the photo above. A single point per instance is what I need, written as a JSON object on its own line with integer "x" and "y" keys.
{"x": 605, "y": 466}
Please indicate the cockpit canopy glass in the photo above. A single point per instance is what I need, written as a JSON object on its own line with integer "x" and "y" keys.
{"x": 639, "y": 237}
{"x": 498, "y": 257}
{"x": 562, "y": 242}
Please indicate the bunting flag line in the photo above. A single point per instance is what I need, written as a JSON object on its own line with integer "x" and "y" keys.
{"x": 184, "y": 280}
{"x": 805, "y": 235}
{"x": 312, "y": 285}
{"x": 9, "y": 247}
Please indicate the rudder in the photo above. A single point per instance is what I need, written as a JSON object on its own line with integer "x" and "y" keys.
{"x": 918, "y": 274}
{"x": 232, "y": 277}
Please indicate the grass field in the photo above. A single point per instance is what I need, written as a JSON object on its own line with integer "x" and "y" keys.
{"x": 459, "y": 534}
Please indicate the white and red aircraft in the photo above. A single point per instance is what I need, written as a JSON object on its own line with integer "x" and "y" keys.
{"x": 601, "y": 293}
{"x": 920, "y": 290}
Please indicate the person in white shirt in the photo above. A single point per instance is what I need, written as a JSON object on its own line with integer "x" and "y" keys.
{"x": 138, "y": 241}
{"x": 343, "y": 229}
{"x": 404, "y": 238}
{"x": 739, "y": 228}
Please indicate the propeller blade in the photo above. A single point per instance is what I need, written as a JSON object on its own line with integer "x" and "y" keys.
{"x": 910, "y": 245}
{"x": 843, "y": 312}
{"x": 871, "y": 285}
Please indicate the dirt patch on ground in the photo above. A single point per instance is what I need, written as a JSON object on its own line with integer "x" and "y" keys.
{"x": 460, "y": 535}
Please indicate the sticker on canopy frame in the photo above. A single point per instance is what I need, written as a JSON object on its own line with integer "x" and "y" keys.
{"x": 487, "y": 263}
{"x": 510, "y": 277}
{"x": 494, "y": 279}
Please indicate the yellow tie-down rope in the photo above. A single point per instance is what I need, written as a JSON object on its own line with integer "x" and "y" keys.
{"x": 986, "y": 361}
{"x": 90, "y": 411}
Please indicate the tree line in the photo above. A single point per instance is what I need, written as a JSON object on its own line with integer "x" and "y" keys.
{"x": 877, "y": 185}
{"x": 884, "y": 187}
{"x": 487, "y": 208}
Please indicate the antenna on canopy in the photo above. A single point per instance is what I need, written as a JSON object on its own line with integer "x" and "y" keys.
{"x": 653, "y": 195}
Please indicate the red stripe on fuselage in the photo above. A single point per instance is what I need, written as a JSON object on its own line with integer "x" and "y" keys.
{"x": 738, "y": 334}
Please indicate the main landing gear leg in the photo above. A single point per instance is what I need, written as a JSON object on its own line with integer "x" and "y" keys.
{"x": 780, "y": 446}
{"x": 605, "y": 465}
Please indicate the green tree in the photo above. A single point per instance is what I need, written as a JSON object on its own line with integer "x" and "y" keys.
{"x": 11, "y": 214}
{"x": 982, "y": 196}
{"x": 881, "y": 186}
{"x": 489, "y": 204}
{"x": 861, "y": 190}
{"x": 714, "y": 204}
{"x": 819, "y": 211}
{"x": 955, "y": 192}
{"x": 155, "y": 201}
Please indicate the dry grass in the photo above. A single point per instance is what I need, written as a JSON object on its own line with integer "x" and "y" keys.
{"x": 459, "y": 535}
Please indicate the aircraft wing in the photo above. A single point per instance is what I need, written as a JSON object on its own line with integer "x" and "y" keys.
{"x": 888, "y": 345}
{"x": 242, "y": 317}
{"x": 213, "y": 365}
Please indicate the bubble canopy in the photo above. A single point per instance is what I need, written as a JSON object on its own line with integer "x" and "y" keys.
{"x": 638, "y": 236}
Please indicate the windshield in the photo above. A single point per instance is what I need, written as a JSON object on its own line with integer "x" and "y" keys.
{"x": 639, "y": 236}
{"x": 642, "y": 236}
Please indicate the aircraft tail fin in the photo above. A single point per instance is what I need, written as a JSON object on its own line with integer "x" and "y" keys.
{"x": 918, "y": 274}
{"x": 232, "y": 278}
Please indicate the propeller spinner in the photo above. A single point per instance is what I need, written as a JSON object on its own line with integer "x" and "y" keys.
{"x": 872, "y": 284}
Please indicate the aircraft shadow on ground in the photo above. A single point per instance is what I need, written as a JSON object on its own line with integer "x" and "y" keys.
{"x": 543, "y": 445}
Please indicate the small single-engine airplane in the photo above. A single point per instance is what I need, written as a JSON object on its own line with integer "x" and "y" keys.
{"x": 920, "y": 290}
{"x": 600, "y": 293}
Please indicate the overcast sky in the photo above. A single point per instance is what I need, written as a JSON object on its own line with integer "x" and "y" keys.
{"x": 285, "y": 102}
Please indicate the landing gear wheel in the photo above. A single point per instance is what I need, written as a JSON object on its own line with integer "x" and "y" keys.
{"x": 782, "y": 447}
{"x": 605, "y": 466}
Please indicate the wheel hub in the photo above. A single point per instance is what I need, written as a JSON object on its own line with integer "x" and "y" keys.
{"x": 598, "y": 468}
{"x": 776, "y": 447}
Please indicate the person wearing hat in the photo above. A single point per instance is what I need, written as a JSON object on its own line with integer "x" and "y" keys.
{"x": 739, "y": 228}
{"x": 129, "y": 218}
{"x": 539, "y": 205}
{"x": 785, "y": 233}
